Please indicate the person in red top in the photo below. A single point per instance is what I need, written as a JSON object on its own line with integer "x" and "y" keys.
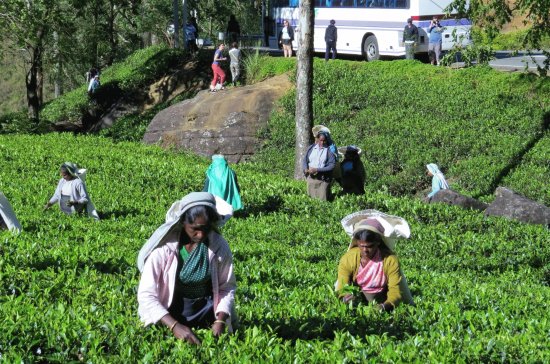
{"x": 219, "y": 74}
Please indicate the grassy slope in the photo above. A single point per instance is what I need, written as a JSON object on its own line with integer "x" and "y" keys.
{"x": 67, "y": 285}
{"x": 477, "y": 124}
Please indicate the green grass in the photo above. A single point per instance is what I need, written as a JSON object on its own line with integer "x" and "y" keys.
{"x": 474, "y": 123}
{"x": 68, "y": 285}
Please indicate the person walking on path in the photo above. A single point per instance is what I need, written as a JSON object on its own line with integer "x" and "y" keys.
{"x": 436, "y": 39}
{"x": 235, "y": 62}
{"x": 191, "y": 36}
{"x": 219, "y": 74}
{"x": 410, "y": 38}
{"x": 331, "y": 36}
{"x": 94, "y": 85}
{"x": 286, "y": 36}
{"x": 233, "y": 29}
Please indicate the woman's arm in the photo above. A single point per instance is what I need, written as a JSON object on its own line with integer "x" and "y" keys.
{"x": 346, "y": 270}
{"x": 56, "y": 195}
{"x": 227, "y": 284}
{"x": 392, "y": 270}
{"x": 435, "y": 186}
{"x": 81, "y": 193}
{"x": 180, "y": 331}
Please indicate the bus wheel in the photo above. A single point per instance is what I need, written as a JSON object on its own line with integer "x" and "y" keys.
{"x": 370, "y": 48}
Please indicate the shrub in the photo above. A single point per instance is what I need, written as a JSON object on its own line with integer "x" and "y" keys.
{"x": 68, "y": 284}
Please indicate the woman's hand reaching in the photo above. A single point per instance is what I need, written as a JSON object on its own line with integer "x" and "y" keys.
{"x": 185, "y": 333}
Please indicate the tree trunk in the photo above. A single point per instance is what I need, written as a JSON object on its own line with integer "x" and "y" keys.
{"x": 31, "y": 83}
{"x": 176, "y": 23}
{"x": 58, "y": 70}
{"x": 304, "y": 85}
{"x": 112, "y": 36}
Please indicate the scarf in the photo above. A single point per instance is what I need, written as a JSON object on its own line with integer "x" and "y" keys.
{"x": 222, "y": 182}
{"x": 194, "y": 276}
{"x": 371, "y": 277}
{"x": 434, "y": 169}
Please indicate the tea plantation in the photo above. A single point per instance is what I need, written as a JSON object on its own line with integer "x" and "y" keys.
{"x": 481, "y": 284}
{"x": 68, "y": 285}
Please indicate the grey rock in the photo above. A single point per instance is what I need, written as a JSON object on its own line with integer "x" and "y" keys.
{"x": 224, "y": 122}
{"x": 512, "y": 205}
{"x": 451, "y": 197}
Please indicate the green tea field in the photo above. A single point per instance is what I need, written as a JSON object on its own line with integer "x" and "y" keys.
{"x": 68, "y": 284}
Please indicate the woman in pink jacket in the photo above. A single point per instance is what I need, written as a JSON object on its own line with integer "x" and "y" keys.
{"x": 187, "y": 278}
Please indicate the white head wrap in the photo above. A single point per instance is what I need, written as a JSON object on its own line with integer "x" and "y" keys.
{"x": 394, "y": 227}
{"x": 174, "y": 214}
{"x": 434, "y": 169}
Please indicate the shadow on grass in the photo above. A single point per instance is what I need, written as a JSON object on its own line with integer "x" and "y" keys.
{"x": 324, "y": 329}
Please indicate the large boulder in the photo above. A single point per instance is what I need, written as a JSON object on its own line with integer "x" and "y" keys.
{"x": 512, "y": 205}
{"x": 451, "y": 197}
{"x": 225, "y": 122}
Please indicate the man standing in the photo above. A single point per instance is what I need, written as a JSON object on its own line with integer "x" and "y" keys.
{"x": 410, "y": 38}
{"x": 318, "y": 164}
{"x": 331, "y": 36}
{"x": 436, "y": 38}
{"x": 190, "y": 36}
{"x": 234, "y": 65}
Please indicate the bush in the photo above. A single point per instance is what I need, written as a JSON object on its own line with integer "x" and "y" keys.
{"x": 68, "y": 284}
{"x": 474, "y": 123}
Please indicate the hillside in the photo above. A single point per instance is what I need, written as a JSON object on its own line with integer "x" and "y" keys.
{"x": 480, "y": 284}
{"x": 68, "y": 284}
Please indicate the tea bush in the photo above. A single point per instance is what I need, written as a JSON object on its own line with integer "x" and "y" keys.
{"x": 474, "y": 123}
{"x": 68, "y": 285}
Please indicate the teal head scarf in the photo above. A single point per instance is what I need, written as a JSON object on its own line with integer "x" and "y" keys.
{"x": 222, "y": 182}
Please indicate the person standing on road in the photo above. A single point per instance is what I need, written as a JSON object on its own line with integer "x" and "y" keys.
{"x": 436, "y": 39}
{"x": 331, "y": 36}
{"x": 286, "y": 36}
{"x": 410, "y": 38}
{"x": 235, "y": 63}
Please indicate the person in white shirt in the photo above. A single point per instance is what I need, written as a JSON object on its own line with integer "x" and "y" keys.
{"x": 235, "y": 64}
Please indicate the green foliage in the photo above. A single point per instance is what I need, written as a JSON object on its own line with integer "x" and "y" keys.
{"x": 141, "y": 68}
{"x": 68, "y": 284}
{"x": 478, "y": 52}
{"x": 474, "y": 123}
{"x": 259, "y": 66}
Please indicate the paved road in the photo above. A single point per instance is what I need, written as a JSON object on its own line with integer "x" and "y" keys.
{"x": 506, "y": 62}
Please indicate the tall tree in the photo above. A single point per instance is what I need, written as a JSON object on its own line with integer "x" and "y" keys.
{"x": 304, "y": 85}
{"x": 27, "y": 24}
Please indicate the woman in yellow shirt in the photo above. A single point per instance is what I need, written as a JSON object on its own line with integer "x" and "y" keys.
{"x": 372, "y": 266}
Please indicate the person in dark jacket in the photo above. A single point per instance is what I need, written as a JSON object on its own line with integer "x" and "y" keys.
{"x": 410, "y": 38}
{"x": 318, "y": 164}
{"x": 233, "y": 29}
{"x": 286, "y": 36}
{"x": 331, "y": 36}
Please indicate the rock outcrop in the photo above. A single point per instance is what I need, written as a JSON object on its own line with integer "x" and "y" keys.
{"x": 451, "y": 197}
{"x": 514, "y": 206}
{"x": 223, "y": 122}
